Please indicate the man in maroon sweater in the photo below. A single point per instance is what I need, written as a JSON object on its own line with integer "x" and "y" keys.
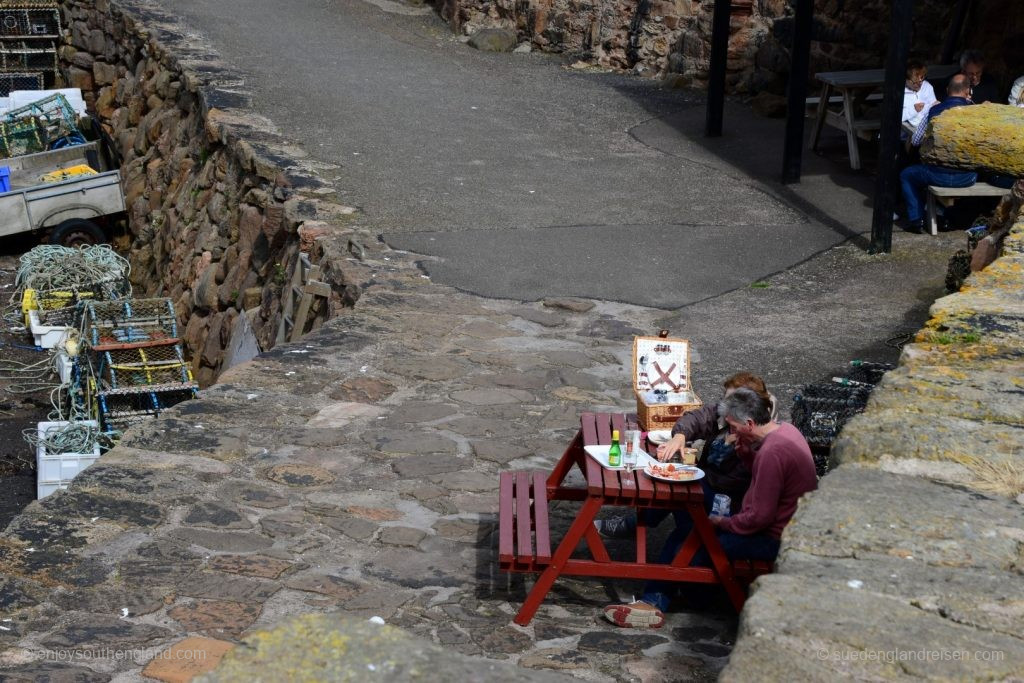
{"x": 782, "y": 470}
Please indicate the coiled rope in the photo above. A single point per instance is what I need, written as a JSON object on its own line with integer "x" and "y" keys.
{"x": 73, "y": 437}
{"x": 53, "y": 267}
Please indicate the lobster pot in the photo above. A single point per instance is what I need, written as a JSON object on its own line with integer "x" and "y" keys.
{"x": 121, "y": 408}
{"x": 61, "y": 306}
{"x": 661, "y": 381}
{"x": 135, "y": 366}
{"x": 867, "y": 373}
{"x": 821, "y": 410}
{"x": 30, "y": 19}
{"x": 130, "y": 321}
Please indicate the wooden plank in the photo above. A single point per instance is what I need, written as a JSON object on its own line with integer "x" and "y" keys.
{"x": 299, "y": 322}
{"x": 289, "y": 305}
{"x": 588, "y": 425}
{"x": 317, "y": 288}
{"x": 540, "y": 513}
{"x": 100, "y": 348}
{"x": 524, "y": 541}
{"x": 604, "y": 428}
{"x": 975, "y": 190}
{"x": 595, "y": 477}
{"x": 506, "y": 513}
{"x": 644, "y": 487}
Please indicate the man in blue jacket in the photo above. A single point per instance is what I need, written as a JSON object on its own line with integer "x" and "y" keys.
{"x": 916, "y": 179}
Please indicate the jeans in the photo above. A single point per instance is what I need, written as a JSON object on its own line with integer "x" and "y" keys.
{"x": 915, "y": 181}
{"x": 736, "y": 547}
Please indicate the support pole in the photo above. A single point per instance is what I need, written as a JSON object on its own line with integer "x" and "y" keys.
{"x": 956, "y": 27}
{"x": 716, "y": 75}
{"x": 800, "y": 61}
{"x": 887, "y": 183}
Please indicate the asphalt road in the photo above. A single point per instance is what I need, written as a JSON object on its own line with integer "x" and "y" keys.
{"x": 518, "y": 177}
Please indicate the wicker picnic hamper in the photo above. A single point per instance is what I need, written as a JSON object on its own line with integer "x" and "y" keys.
{"x": 662, "y": 364}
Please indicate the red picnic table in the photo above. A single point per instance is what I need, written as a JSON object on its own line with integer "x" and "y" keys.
{"x": 524, "y": 543}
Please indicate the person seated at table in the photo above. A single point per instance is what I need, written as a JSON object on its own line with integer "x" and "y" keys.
{"x": 918, "y": 94}
{"x": 983, "y": 86}
{"x": 782, "y": 470}
{"x": 723, "y": 470}
{"x": 1016, "y": 98}
{"x": 915, "y": 179}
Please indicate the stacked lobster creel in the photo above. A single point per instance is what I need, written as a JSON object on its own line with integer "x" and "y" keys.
{"x": 136, "y": 366}
{"x": 820, "y": 410}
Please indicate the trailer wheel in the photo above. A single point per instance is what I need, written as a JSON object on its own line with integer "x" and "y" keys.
{"x": 77, "y": 232}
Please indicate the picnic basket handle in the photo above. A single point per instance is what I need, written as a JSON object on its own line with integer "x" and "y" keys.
{"x": 663, "y": 333}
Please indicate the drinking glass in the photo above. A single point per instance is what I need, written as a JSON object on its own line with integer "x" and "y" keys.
{"x": 630, "y": 447}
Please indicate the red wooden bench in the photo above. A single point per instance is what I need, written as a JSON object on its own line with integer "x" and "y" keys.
{"x": 524, "y": 541}
{"x": 748, "y": 570}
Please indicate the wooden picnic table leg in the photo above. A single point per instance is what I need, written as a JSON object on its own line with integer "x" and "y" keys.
{"x": 826, "y": 92}
{"x": 719, "y": 562}
{"x": 584, "y": 521}
{"x": 570, "y": 457}
{"x": 851, "y": 131}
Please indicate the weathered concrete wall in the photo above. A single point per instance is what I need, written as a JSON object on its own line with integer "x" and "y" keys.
{"x": 907, "y": 562}
{"x": 218, "y": 206}
{"x": 672, "y": 38}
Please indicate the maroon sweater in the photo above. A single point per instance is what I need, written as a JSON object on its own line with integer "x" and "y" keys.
{"x": 783, "y": 470}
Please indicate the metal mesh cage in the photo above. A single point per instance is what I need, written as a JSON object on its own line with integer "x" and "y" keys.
{"x": 870, "y": 373}
{"x": 130, "y": 321}
{"x": 27, "y": 59}
{"x": 45, "y": 124}
{"x": 142, "y": 366}
{"x": 61, "y": 306}
{"x": 821, "y": 410}
{"x": 10, "y": 82}
{"x": 121, "y": 409}
{"x": 29, "y": 20}
{"x": 68, "y": 316}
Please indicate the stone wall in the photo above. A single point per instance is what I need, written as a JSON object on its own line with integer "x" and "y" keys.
{"x": 672, "y": 38}
{"x": 907, "y": 562}
{"x": 218, "y": 208}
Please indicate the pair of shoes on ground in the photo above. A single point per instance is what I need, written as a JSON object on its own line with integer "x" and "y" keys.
{"x": 915, "y": 227}
{"x": 636, "y": 614}
{"x": 616, "y": 527}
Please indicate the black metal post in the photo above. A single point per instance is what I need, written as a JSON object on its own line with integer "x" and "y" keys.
{"x": 887, "y": 183}
{"x": 956, "y": 27}
{"x": 716, "y": 76}
{"x": 800, "y": 61}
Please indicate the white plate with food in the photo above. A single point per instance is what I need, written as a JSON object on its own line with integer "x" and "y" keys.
{"x": 659, "y": 436}
{"x": 600, "y": 454}
{"x": 674, "y": 473}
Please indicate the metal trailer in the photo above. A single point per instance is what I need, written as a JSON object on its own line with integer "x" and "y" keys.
{"x": 71, "y": 211}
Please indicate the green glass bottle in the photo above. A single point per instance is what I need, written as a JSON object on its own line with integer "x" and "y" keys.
{"x": 615, "y": 452}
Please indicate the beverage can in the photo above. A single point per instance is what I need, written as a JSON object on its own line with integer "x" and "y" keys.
{"x": 722, "y": 505}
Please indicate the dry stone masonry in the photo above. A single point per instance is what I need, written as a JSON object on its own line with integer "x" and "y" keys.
{"x": 672, "y": 38}
{"x": 219, "y": 207}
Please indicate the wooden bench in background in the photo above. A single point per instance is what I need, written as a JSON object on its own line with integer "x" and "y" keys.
{"x": 948, "y": 195}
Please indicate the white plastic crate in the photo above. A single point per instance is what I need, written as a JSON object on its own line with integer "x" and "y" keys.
{"x": 63, "y": 365}
{"x": 45, "y": 488}
{"x": 56, "y": 470}
{"x": 45, "y": 336}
